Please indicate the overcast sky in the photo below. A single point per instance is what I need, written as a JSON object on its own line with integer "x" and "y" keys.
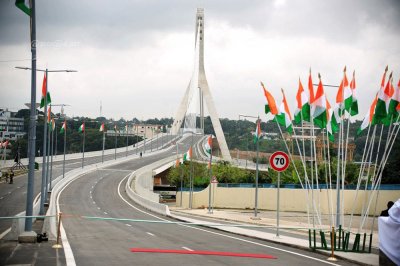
{"x": 136, "y": 56}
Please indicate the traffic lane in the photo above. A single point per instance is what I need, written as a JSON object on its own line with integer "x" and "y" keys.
{"x": 291, "y": 256}
{"x": 123, "y": 234}
{"x": 13, "y": 196}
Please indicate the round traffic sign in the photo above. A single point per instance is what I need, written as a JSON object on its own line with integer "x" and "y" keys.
{"x": 279, "y": 161}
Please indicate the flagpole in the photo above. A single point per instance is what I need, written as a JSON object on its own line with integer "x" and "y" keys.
{"x": 104, "y": 140}
{"x": 83, "y": 144}
{"x": 115, "y": 149}
{"x": 52, "y": 151}
{"x": 126, "y": 155}
{"x": 137, "y": 138}
{"x": 43, "y": 190}
{"x": 209, "y": 188}
{"x": 65, "y": 144}
{"x": 256, "y": 181}
{"x": 48, "y": 154}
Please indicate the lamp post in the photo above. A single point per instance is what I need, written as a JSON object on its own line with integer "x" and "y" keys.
{"x": 44, "y": 167}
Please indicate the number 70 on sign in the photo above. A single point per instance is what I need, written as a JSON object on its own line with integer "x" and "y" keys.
{"x": 279, "y": 161}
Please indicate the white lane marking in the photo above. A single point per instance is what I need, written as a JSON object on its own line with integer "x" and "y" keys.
{"x": 5, "y": 232}
{"x": 94, "y": 202}
{"x": 18, "y": 187}
{"x": 91, "y": 197}
{"x": 105, "y": 213}
{"x": 149, "y": 233}
{"x": 187, "y": 248}
{"x": 220, "y": 234}
{"x": 98, "y": 208}
{"x": 128, "y": 225}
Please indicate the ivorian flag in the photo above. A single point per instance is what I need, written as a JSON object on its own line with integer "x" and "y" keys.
{"x": 101, "y": 127}
{"x": 311, "y": 89}
{"x": 257, "y": 134}
{"x": 394, "y": 101}
{"x": 270, "y": 107}
{"x": 24, "y": 6}
{"x": 82, "y": 128}
{"x": 63, "y": 127}
{"x": 303, "y": 106}
{"x": 187, "y": 155}
{"x": 53, "y": 124}
{"x": 368, "y": 117}
{"x": 115, "y": 128}
{"x": 318, "y": 107}
{"x": 49, "y": 115}
{"x": 381, "y": 108}
{"x": 44, "y": 92}
{"x": 208, "y": 144}
{"x": 354, "y": 104}
{"x": 344, "y": 96}
{"x": 284, "y": 118}
{"x": 333, "y": 118}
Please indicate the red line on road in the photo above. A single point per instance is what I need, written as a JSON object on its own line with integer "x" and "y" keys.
{"x": 203, "y": 252}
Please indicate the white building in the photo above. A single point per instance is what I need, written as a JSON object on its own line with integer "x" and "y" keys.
{"x": 11, "y": 127}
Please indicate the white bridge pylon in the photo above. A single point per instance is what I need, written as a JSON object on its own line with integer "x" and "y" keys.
{"x": 197, "y": 93}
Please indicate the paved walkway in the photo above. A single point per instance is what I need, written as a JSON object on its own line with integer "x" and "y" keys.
{"x": 293, "y": 228}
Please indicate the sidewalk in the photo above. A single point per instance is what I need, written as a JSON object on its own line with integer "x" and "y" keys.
{"x": 295, "y": 234}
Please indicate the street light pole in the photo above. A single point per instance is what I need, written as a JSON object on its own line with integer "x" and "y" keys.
{"x": 32, "y": 125}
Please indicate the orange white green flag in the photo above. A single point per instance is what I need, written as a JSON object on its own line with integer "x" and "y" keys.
{"x": 303, "y": 106}
{"x": 187, "y": 155}
{"x": 45, "y": 93}
{"x": 284, "y": 118}
{"x": 63, "y": 127}
{"x": 101, "y": 129}
{"x": 82, "y": 128}
{"x": 53, "y": 124}
{"x": 257, "y": 134}
{"x": 270, "y": 107}
{"x": 382, "y": 104}
{"x": 318, "y": 107}
{"x": 344, "y": 95}
{"x": 208, "y": 144}
{"x": 354, "y": 104}
{"x": 394, "y": 101}
{"x": 369, "y": 116}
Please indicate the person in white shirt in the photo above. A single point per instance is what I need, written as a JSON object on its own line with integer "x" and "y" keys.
{"x": 389, "y": 235}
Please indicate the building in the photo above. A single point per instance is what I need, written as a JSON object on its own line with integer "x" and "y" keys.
{"x": 146, "y": 130}
{"x": 11, "y": 127}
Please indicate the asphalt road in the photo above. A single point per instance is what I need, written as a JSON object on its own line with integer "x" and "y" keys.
{"x": 108, "y": 241}
{"x": 13, "y": 196}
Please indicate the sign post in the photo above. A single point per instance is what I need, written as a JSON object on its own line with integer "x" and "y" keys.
{"x": 213, "y": 182}
{"x": 279, "y": 161}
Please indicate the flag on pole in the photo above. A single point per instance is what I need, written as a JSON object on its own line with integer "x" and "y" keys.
{"x": 303, "y": 106}
{"x": 53, "y": 124}
{"x": 270, "y": 107}
{"x": 208, "y": 144}
{"x": 311, "y": 89}
{"x": 284, "y": 118}
{"x": 177, "y": 162}
{"x": 394, "y": 101}
{"x": 383, "y": 97}
{"x": 101, "y": 127}
{"x": 368, "y": 117}
{"x": 115, "y": 128}
{"x": 333, "y": 120}
{"x": 344, "y": 95}
{"x": 82, "y": 128}
{"x": 24, "y": 6}
{"x": 354, "y": 104}
{"x": 63, "y": 127}
{"x": 49, "y": 116}
{"x": 318, "y": 107}
{"x": 187, "y": 155}
{"x": 257, "y": 134}
{"x": 45, "y": 93}
{"x": 126, "y": 128}
{"x": 5, "y": 144}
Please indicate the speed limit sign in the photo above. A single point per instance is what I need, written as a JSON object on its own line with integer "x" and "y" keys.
{"x": 279, "y": 161}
